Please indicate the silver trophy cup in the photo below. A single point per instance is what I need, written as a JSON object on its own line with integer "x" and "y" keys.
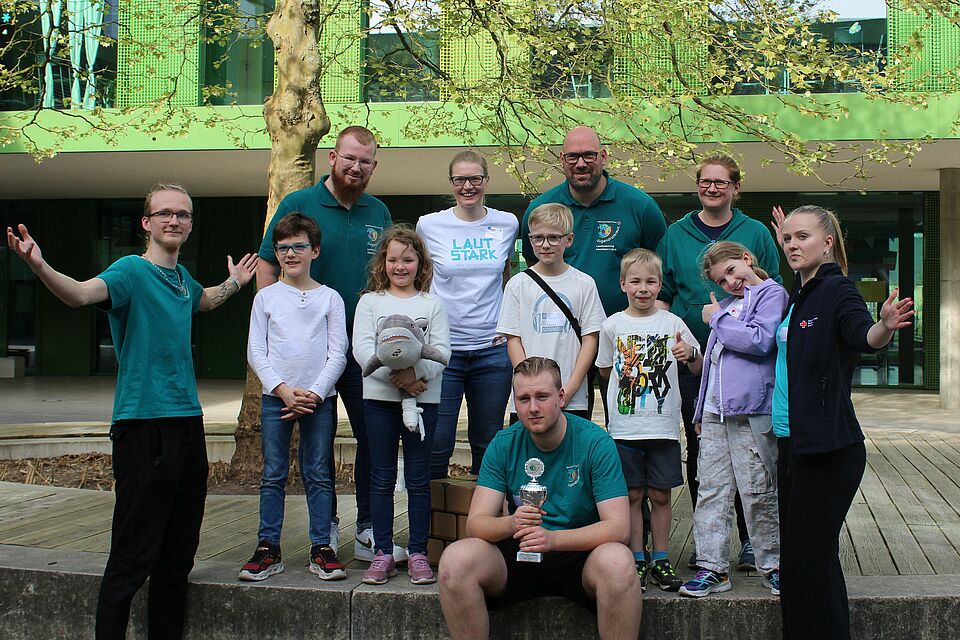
{"x": 533, "y": 494}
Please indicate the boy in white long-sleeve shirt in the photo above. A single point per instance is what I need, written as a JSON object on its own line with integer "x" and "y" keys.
{"x": 297, "y": 347}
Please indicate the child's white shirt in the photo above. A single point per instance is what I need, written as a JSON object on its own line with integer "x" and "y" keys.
{"x": 543, "y": 329}
{"x": 374, "y": 306}
{"x": 298, "y": 338}
{"x": 643, "y": 395}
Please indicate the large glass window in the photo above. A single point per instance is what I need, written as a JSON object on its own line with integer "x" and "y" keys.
{"x": 238, "y": 66}
{"x": 395, "y": 68}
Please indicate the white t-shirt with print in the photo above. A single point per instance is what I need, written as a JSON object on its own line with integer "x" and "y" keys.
{"x": 468, "y": 263}
{"x": 643, "y": 395}
{"x": 528, "y": 312}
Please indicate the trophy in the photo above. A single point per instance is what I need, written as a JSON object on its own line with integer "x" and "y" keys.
{"x": 533, "y": 494}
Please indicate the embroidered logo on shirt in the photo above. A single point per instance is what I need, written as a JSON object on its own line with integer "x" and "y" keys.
{"x": 573, "y": 475}
{"x": 806, "y": 324}
{"x": 607, "y": 230}
{"x": 373, "y": 238}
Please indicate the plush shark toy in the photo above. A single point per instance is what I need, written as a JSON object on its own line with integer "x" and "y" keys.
{"x": 401, "y": 344}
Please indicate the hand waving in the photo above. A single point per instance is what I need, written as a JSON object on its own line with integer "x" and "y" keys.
{"x": 244, "y": 270}
{"x": 896, "y": 314}
{"x": 27, "y": 249}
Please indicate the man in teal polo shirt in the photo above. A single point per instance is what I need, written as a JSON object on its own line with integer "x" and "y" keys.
{"x": 574, "y": 542}
{"x": 610, "y": 218}
{"x": 351, "y": 224}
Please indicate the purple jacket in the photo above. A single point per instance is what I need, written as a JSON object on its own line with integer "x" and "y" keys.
{"x": 747, "y": 362}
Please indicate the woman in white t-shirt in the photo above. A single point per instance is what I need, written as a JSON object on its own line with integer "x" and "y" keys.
{"x": 470, "y": 245}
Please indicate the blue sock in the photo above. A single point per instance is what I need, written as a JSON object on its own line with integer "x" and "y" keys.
{"x": 658, "y": 555}
{"x": 638, "y": 556}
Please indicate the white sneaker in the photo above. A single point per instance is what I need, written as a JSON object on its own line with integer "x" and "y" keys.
{"x": 334, "y": 536}
{"x": 363, "y": 548}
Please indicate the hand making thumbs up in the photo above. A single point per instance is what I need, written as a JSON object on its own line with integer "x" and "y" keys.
{"x": 710, "y": 309}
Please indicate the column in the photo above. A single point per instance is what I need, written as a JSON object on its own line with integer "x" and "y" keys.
{"x": 950, "y": 288}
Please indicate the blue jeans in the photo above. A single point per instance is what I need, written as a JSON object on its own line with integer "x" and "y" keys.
{"x": 385, "y": 432}
{"x": 485, "y": 377}
{"x": 315, "y": 453}
{"x": 350, "y": 389}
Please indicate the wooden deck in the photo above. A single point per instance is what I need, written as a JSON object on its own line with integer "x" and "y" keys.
{"x": 905, "y": 519}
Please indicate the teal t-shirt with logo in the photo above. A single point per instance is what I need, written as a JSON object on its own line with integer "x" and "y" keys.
{"x": 583, "y": 471}
{"x": 151, "y": 312}
{"x": 348, "y": 239}
{"x": 781, "y": 397}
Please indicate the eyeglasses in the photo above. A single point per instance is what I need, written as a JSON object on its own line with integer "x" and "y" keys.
{"x": 365, "y": 165}
{"x": 166, "y": 215}
{"x": 459, "y": 181}
{"x": 298, "y": 248}
{"x": 587, "y": 156}
{"x": 721, "y": 185}
{"x": 553, "y": 239}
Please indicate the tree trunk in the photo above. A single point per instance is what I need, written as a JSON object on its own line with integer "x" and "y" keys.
{"x": 296, "y": 121}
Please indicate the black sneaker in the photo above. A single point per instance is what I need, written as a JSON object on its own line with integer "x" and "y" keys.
{"x": 265, "y": 562}
{"x": 324, "y": 563}
{"x": 663, "y": 575}
{"x": 692, "y": 561}
{"x": 642, "y": 569}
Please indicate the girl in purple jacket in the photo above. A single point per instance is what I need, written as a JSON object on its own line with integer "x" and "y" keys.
{"x": 737, "y": 445}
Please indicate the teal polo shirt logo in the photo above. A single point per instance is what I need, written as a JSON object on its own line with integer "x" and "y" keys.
{"x": 607, "y": 230}
{"x": 373, "y": 238}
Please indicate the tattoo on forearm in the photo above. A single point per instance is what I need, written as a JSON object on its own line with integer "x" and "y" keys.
{"x": 224, "y": 291}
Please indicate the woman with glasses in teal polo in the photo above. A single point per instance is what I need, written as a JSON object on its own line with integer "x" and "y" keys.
{"x": 470, "y": 245}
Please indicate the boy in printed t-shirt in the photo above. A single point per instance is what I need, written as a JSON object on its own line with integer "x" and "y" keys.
{"x": 643, "y": 346}
{"x": 533, "y": 323}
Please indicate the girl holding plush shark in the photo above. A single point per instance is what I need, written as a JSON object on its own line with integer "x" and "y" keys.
{"x": 397, "y": 320}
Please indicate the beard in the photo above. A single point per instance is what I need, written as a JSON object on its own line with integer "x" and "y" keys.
{"x": 588, "y": 186}
{"x": 346, "y": 191}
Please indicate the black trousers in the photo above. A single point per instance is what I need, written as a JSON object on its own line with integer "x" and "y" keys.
{"x": 160, "y": 467}
{"x": 689, "y": 391}
{"x": 815, "y": 493}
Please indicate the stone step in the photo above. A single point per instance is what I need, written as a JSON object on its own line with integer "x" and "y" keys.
{"x": 52, "y": 594}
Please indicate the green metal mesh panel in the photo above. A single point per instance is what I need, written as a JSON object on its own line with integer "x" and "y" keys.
{"x": 931, "y": 290}
{"x": 935, "y": 69}
{"x": 158, "y": 52}
{"x": 643, "y": 62}
{"x": 758, "y": 205}
{"x": 342, "y": 50}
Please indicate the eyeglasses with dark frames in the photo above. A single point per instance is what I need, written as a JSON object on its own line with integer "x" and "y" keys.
{"x": 297, "y": 248}
{"x": 721, "y": 185}
{"x": 552, "y": 239}
{"x": 587, "y": 156}
{"x": 459, "y": 181}
{"x": 166, "y": 215}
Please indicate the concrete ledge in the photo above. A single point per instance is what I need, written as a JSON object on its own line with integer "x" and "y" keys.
{"x": 52, "y": 594}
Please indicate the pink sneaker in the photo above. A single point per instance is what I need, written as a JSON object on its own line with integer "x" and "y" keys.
{"x": 419, "y": 569}
{"x": 381, "y": 569}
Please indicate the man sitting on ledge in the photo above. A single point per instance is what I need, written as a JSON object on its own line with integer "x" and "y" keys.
{"x": 580, "y": 530}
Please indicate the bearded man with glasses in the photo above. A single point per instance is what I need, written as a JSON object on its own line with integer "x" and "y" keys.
{"x": 352, "y": 223}
{"x": 610, "y": 218}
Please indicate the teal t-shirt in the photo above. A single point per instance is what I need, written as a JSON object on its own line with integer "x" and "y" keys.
{"x": 781, "y": 397}
{"x": 582, "y": 471}
{"x": 348, "y": 239}
{"x": 620, "y": 220}
{"x": 151, "y": 316}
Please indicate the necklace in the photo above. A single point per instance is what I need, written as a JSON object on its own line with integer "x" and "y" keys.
{"x": 176, "y": 282}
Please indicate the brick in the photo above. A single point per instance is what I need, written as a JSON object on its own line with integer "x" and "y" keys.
{"x": 461, "y": 527}
{"x": 443, "y": 525}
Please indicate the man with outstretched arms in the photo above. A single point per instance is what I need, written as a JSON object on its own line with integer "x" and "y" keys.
{"x": 159, "y": 453}
{"x": 573, "y": 545}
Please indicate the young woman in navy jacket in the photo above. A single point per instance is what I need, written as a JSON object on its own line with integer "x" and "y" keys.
{"x": 822, "y": 455}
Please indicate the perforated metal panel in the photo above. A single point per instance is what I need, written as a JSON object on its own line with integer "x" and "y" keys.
{"x": 935, "y": 68}
{"x": 468, "y": 54}
{"x": 643, "y": 62}
{"x": 158, "y": 52}
{"x": 931, "y": 290}
{"x": 341, "y": 50}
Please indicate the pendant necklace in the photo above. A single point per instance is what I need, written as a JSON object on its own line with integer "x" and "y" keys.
{"x": 177, "y": 284}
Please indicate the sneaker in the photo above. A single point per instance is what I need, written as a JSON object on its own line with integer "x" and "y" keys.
{"x": 747, "y": 560}
{"x": 419, "y": 569}
{"x": 705, "y": 583}
{"x": 265, "y": 562}
{"x": 324, "y": 563}
{"x": 772, "y": 580}
{"x": 662, "y": 574}
{"x": 363, "y": 548}
{"x": 381, "y": 569}
{"x": 335, "y": 536}
{"x": 642, "y": 569}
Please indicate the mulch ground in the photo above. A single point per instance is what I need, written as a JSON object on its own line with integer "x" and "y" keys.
{"x": 95, "y": 471}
